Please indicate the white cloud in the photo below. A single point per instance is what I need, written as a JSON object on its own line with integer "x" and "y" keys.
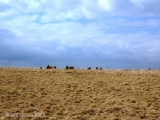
{"x": 105, "y": 4}
{"x": 69, "y": 9}
{"x": 130, "y": 7}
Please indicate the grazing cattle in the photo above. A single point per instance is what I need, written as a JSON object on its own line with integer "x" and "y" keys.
{"x": 49, "y": 67}
{"x": 89, "y": 68}
{"x": 69, "y": 67}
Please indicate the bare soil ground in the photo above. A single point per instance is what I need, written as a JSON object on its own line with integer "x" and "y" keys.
{"x": 59, "y": 94}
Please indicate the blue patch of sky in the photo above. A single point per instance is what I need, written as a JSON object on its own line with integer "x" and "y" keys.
{"x": 4, "y": 7}
{"x": 120, "y": 28}
{"x": 82, "y": 20}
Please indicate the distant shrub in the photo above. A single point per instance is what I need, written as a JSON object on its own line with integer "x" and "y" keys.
{"x": 40, "y": 67}
{"x": 49, "y": 67}
{"x": 66, "y": 67}
{"x": 100, "y": 68}
{"x": 89, "y": 68}
{"x": 69, "y": 67}
{"x": 96, "y": 68}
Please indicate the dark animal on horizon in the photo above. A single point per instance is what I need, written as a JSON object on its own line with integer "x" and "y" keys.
{"x": 49, "y": 67}
{"x": 89, "y": 68}
{"x": 96, "y": 68}
{"x": 69, "y": 67}
{"x": 40, "y": 67}
{"x": 100, "y": 68}
{"x": 54, "y": 67}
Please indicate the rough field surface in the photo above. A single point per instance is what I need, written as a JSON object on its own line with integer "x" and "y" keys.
{"x": 59, "y": 94}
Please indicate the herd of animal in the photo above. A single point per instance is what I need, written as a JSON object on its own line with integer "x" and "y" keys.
{"x": 68, "y": 67}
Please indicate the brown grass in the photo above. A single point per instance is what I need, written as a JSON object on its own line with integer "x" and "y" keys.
{"x": 79, "y": 94}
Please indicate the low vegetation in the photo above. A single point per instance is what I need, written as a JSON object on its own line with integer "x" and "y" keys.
{"x": 76, "y": 94}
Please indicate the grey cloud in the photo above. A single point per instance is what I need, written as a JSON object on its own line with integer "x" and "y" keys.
{"x": 6, "y": 35}
{"x": 131, "y": 7}
{"x": 77, "y": 56}
{"x": 147, "y": 6}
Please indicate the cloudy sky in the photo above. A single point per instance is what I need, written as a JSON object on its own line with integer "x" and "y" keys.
{"x": 83, "y": 33}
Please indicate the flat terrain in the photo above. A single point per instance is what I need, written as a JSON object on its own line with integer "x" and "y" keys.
{"x": 59, "y": 94}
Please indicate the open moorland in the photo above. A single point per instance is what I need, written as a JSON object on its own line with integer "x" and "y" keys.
{"x": 78, "y": 94}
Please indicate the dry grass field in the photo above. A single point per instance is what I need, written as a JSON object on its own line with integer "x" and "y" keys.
{"x": 60, "y": 94}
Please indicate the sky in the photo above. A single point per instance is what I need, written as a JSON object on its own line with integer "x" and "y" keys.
{"x": 115, "y": 34}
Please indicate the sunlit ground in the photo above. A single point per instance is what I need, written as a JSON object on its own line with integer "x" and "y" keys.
{"x": 60, "y": 94}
